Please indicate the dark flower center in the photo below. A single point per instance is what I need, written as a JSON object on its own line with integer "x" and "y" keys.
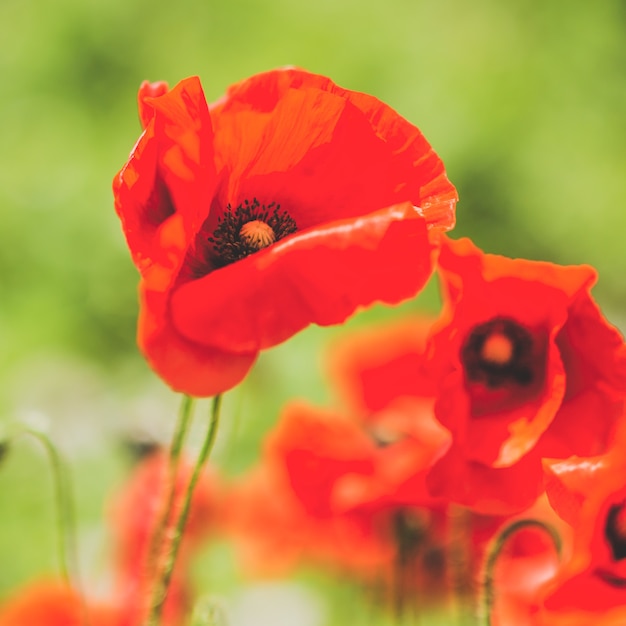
{"x": 615, "y": 530}
{"x": 247, "y": 229}
{"x": 498, "y": 352}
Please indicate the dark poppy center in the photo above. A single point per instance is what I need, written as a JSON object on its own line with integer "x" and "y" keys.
{"x": 247, "y": 229}
{"x": 615, "y": 530}
{"x": 497, "y": 353}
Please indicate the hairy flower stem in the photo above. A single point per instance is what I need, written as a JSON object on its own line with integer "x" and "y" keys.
{"x": 163, "y": 582}
{"x": 66, "y": 522}
{"x": 493, "y": 553}
{"x": 178, "y": 439}
{"x": 461, "y": 587}
{"x": 64, "y": 505}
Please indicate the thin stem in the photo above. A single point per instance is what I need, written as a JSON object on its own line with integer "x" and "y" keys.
{"x": 162, "y": 585}
{"x": 66, "y": 519}
{"x": 178, "y": 439}
{"x": 488, "y": 595}
{"x": 64, "y": 505}
{"x": 460, "y": 568}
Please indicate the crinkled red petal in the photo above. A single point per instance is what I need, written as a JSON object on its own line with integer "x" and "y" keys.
{"x": 365, "y": 137}
{"x": 319, "y": 276}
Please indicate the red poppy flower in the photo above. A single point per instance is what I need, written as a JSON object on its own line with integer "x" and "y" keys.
{"x": 275, "y": 529}
{"x": 591, "y": 586}
{"x": 375, "y": 367}
{"x": 335, "y": 466}
{"x": 134, "y": 512}
{"x": 328, "y": 493}
{"x": 527, "y": 367}
{"x": 51, "y": 603}
{"x": 290, "y": 201}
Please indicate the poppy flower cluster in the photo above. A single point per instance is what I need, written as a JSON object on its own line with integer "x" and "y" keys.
{"x": 447, "y": 418}
{"x": 291, "y": 201}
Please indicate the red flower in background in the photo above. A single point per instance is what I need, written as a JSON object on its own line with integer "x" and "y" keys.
{"x": 384, "y": 378}
{"x": 590, "y": 588}
{"x": 291, "y": 508}
{"x": 347, "y": 490}
{"x": 527, "y": 367}
{"x": 375, "y": 368}
{"x": 50, "y": 603}
{"x": 334, "y": 496}
{"x": 134, "y": 512}
{"x": 290, "y": 201}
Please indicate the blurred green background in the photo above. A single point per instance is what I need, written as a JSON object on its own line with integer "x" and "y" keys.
{"x": 524, "y": 101}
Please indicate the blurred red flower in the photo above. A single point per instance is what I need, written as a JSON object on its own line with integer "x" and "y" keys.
{"x": 527, "y": 367}
{"x": 385, "y": 377}
{"x": 133, "y": 513}
{"x": 51, "y": 603}
{"x": 348, "y": 491}
{"x": 376, "y": 367}
{"x": 290, "y": 201}
{"x": 291, "y": 509}
{"x": 591, "y": 585}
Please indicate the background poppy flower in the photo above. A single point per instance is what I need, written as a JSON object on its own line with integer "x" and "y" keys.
{"x": 527, "y": 367}
{"x": 337, "y": 495}
{"x": 591, "y": 585}
{"x": 52, "y": 603}
{"x": 133, "y": 514}
{"x": 290, "y": 509}
{"x": 290, "y": 201}
{"x": 375, "y": 367}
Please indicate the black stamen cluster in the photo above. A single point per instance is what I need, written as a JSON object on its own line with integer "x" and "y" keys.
{"x": 518, "y": 369}
{"x": 228, "y": 244}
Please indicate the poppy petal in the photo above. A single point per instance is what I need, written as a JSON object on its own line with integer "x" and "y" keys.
{"x": 427, "y": 187}
{"x": 170, "y": 173}
{"x": 319, "y": 276}
{"x": 188, "y": 367}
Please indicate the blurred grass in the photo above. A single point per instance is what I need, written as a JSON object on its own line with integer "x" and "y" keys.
{"x": 523, "y": 100}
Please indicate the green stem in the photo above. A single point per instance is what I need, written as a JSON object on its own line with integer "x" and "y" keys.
{"x": 162, "y": 585}
{"x": 66, "y": 520}
{"x": 178, "y": 439}
{"x": 463, "y": 593}
{"x": 64, "y": 505}
{"x": 488, "y": 595}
